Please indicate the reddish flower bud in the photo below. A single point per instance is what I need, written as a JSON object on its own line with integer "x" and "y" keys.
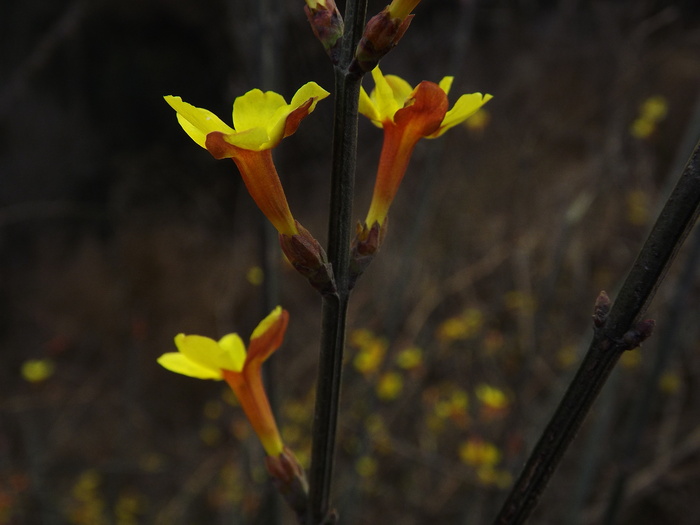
{"x": 307, "y": 256}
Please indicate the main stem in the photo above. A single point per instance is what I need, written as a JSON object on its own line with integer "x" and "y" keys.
{"x": 672, "y": 227}
{"x": 334, "y": 309}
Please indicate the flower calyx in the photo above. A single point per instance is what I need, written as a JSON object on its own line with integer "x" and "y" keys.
{"x": 290, "y": 481}
{"x": 364, "y": 246}
{"x": 308, "y": 258}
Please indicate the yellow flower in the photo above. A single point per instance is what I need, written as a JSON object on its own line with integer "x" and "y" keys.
{"x": 408, "y": 114}
{"x": 227, "y": 360}
{"x": 491, "y": 397}
{"x": 37, "y": 370}
{"x": 389, "y": 386}
{"x": 479, "y": 453}
{"x": 260, "y": 122}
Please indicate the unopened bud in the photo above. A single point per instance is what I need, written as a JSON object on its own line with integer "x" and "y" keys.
{"x": 290, "y": 480}
{"x": 326, "y": 23}
{"x": 364, "y": 246}
{"x": 308, "y": 258}
{"x": 381, "y": 34}
{"x": 601, "y": 309}
{"x": 640, "y": 333}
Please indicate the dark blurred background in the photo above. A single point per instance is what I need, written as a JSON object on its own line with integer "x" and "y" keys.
{"x": 117, "y": 232}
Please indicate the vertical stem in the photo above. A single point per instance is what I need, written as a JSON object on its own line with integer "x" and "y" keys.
{"x": 672, "y": 227}
{"x": 334, "y": 308}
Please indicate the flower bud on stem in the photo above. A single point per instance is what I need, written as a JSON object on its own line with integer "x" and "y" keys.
{"x": 327, "y": 24}
{"x": 290, "y": 481}
{"x": 364, "y": 246}
{"x": 308, "y": 258}
{"x": 381, "y": 35}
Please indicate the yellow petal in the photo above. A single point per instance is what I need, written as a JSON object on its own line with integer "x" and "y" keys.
{"x": 180, "y": 364}
{"x": 255, "y": 139}
{"x": 197, "y": 122}
{"x": 446, "y": 84}
{"x": 400, "y": 88}
{"x": 265, "y": 324}
{"x": 305, "y": 92}
{"x": 235, "y": 350}
{"x": 256, "y": 109}
{"x": 368, "y": 108}
{"x": 383, "y": 96}
{"x": 207, "y": 352}
{"x": 464, "y": 108}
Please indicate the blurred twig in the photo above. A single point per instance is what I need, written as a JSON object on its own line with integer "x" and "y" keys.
{"x": 267, "y": 65}
{"x": 618, "y": 334}
{"x": 63, "y": 29}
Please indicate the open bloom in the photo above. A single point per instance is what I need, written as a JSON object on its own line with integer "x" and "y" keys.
{"x": 408, "y": 114}
{"x": 227, "y": 360}
{"x": 260, "y": 121}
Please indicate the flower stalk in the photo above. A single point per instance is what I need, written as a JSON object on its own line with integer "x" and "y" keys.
{"x": 334, "y": 306}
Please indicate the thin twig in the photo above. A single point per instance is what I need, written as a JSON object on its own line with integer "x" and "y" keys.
{"x": 609, "y": 342}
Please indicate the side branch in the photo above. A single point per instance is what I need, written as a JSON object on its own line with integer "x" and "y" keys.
{"x": 621, "y": 331}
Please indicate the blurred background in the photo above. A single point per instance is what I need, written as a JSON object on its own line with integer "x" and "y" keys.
{"x": 117, "y": 232}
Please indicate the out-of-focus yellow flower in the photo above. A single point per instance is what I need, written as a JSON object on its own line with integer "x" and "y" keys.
{"x": 567, "y": 356}
{"x": 227, "y": 360}
{"x": 37, "y": 370}
{"x": 631, "y": 359}
{"x": 389, "y": 386}
{"x": 255, "y": 275}
{"x": 463, "y": 326}
{"x": 260, "y": 122}
{"x": 652, "y": 111}
{"x": 410, "y": 358}
{"x": 478, "y": 122}
{"x": 638, "y": 207}
{"x": 408, "y": 114}
{"x": 491, "y": 397}
{"x": 479, "y": 453}
{"x": 453, "y": 406}
{"x": 519, "y": 300}
{"x": 371, "y": 351}
{"x": 366, "y": 466}
{"x": 494, "y": 477}
{"x": 670, "y": 383}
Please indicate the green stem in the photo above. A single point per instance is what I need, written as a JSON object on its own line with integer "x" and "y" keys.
{"x": 334, "y": 309}
{"x": 672, "y": 227}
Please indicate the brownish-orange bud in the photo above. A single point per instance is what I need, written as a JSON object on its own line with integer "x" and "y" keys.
{"x": 326, "y": 23}
{"x": 382, "y": 33}
{"x": 289, "y": 479}
{"x": 601, "y": 309}
{"x": 307, "y": 256}
{"x": 364, "y": 246}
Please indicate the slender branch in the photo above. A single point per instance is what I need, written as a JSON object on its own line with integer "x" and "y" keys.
{"x": 617, "y": 335}
{"x": 334, "y": 310}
